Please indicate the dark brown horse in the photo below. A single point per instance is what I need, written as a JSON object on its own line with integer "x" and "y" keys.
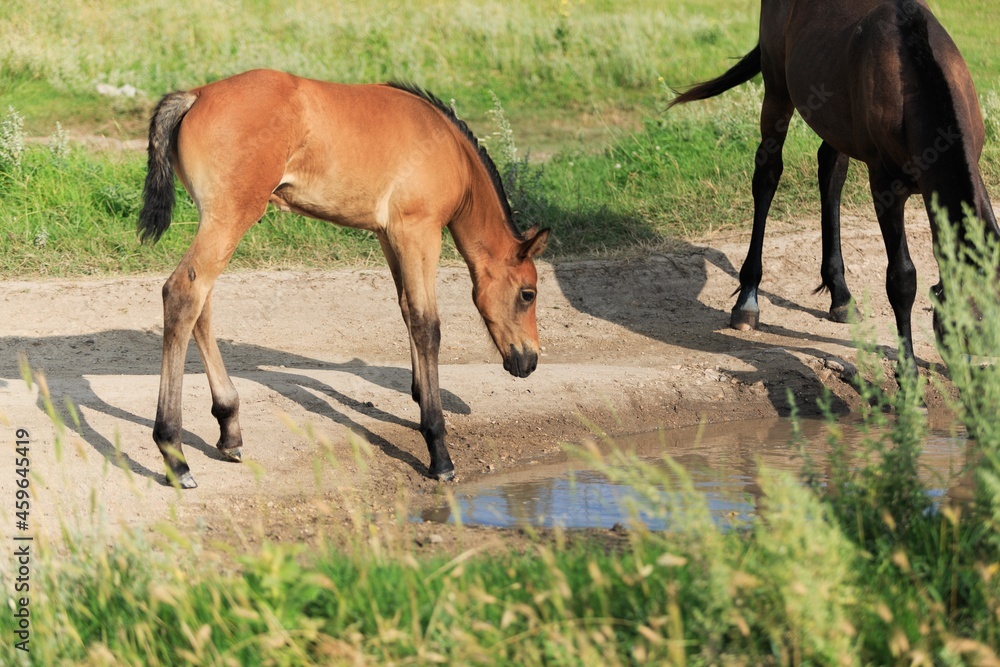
{"x": 879, "y": 81}
{"x": 391, "y": 159}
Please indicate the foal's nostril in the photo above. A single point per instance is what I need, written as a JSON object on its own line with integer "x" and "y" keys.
{"x": 520, "y": 364}
{"x": 532, "y": 359}
{"x": 510, "y": 361}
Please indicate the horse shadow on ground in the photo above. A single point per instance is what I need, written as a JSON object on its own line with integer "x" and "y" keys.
{"x": 68, "y": 361}
{"x": 658, "y": 297}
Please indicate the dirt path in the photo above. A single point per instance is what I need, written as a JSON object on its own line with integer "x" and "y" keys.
{"x": 629, "y": 344}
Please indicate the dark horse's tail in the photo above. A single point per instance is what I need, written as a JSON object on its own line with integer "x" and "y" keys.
{"x": 158, "y": 193}
{"x": 945, "y": 149}
{"x": 741, "y": 72}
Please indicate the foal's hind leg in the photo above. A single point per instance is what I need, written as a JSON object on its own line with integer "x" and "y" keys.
{"x": 774, "y": 118}
{"x": 184, "y": 297}
{"x": 832, "y": 175}
{"x": 901, "y": 275}
{"x": 225, "y": 400}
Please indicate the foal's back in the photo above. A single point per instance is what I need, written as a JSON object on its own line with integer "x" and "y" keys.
{"x": 350, "y": 154}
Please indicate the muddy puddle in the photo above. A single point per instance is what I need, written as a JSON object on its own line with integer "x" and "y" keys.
{"x": 722, "y": 461}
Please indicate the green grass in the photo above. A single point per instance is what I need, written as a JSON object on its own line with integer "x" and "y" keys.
{"x": 685, "y": 174}
{"x": 544, "y": 58}
{"x": 555, "y": 66}
{"x": 551, "y": 605}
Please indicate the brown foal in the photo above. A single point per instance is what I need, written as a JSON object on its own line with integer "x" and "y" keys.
{"x": 391, "y": 159}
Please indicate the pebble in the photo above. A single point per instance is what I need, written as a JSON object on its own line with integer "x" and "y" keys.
{"x": 845, "y": 370}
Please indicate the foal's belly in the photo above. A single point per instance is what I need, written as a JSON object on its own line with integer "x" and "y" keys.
{"x": 356, "y": 210}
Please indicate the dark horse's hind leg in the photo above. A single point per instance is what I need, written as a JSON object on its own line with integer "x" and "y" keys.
{"x": 832, "y": 174}
{"x": 774, "y": 118}
{"x": 901, "y": 275}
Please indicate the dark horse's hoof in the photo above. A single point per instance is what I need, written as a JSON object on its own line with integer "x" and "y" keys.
{"x": 235, "y": 454}
{"x": 840, "y": 314}
{"x": 744, "y": 320}
{"x": 445, "y": 476}
{"x": 185, "y": 481}
{"x": 442, "y": 472}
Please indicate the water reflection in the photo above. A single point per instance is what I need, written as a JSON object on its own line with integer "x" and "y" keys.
{"x": 722, "y": 461}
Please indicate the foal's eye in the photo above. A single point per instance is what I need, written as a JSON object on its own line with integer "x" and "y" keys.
{"x": 527, "y": 295}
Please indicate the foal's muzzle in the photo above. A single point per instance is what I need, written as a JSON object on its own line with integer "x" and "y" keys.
{"x": 520, "y": 363}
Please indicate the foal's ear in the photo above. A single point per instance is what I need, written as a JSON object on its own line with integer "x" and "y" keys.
{"x": 534, "y": 243}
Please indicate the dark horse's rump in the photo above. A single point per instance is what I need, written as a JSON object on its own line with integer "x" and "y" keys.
{"x": 893, "y": 92}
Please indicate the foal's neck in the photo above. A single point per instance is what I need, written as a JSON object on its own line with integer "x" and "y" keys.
{"x": 481, "y": 231}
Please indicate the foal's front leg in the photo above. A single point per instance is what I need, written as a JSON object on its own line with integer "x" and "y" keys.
{"x": 425, "y": 337}
{"x": 397, "y": 278}
{"x": 413, "y": 261}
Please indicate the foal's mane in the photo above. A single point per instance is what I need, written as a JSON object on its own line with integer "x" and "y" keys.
{"x": 484, "y": 156}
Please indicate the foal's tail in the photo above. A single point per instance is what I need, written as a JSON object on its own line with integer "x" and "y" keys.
{"x": 158, "y": 193}
{"x": 741, "y": 72}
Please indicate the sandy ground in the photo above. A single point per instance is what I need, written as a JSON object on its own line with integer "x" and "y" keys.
{"x": 628, "y": 345}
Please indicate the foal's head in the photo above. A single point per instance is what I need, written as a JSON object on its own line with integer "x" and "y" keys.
{"x": 505, "y": 296}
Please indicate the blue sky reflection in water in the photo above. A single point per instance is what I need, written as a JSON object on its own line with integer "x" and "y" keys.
{"x": 722, "y": 461}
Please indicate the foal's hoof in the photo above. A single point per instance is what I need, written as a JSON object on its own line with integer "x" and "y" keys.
{"x": 840, "y": 314}
{"x": 235, "y": 454}
{"x": 185, "y": 481}
{"x": 744, "y": 320}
